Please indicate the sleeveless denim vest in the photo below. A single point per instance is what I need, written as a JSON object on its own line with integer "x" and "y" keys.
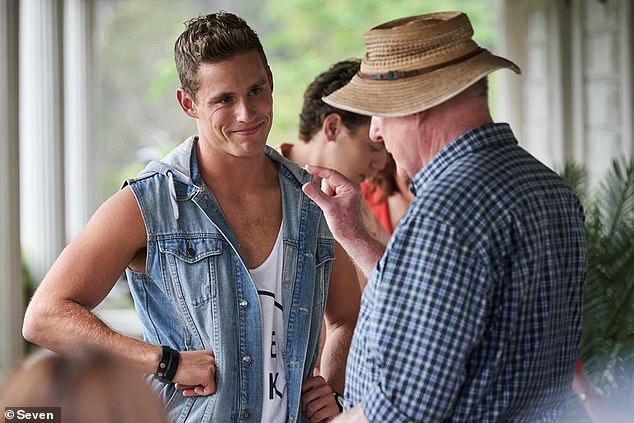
{"x": 197, "y": 292}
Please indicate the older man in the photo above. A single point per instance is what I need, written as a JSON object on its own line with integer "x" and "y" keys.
{"x": 472, "y": 313}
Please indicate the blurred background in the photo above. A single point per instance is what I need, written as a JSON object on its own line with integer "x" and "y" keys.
{"x": 137, "y": 117}
{"x": 89, "y": 98}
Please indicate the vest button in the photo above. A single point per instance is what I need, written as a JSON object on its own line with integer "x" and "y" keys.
{"x": 245, "y": 414}
{"x": 243, "y": 303}
{"x": 246, "y": 359}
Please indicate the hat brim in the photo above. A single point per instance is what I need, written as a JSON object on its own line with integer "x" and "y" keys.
{"x": 402, "y": 97}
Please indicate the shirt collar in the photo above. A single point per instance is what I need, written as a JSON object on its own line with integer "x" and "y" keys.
{"x": 485, "y": 136}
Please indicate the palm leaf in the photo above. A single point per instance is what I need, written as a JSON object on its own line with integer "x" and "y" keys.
{"x": 607, "y": 340}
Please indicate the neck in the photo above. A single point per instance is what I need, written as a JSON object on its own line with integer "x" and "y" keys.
{"x": 458, "y": 116}
{"x": 220, "y": 170}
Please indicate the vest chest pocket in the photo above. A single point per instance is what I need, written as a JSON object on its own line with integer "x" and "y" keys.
{"x": 189, "y": 263}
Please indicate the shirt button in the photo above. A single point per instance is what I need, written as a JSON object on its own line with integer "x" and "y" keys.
{"x": 246, "y": 359}
{"x": 243, "y": 303}
{"x": 245, "y": 414}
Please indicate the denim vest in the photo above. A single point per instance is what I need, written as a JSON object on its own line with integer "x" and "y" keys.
{"x": 197, "y": 292}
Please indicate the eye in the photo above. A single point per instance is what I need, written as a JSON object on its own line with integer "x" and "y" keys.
{"x": 225, "y": 99}
{"x": 256, "y": 91}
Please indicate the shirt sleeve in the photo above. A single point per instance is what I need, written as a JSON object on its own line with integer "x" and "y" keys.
{"x": 430, "y": 307}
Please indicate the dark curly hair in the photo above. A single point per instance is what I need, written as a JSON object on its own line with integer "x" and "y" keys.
{"x": 209, "y": 39}
{"x": 314, "y": 110}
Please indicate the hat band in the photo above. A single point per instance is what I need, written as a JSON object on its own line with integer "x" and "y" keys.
{"x": 392, "y": 75}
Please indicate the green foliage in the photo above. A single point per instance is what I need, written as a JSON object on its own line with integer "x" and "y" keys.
{"x": 135, "y": 105}
{"x": 607, "y": 341}
{"x": 304, "y": 38}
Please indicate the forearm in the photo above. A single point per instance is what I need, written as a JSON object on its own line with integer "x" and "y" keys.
{"x": 364, "y": 250}
{"x": 335, "y": 354}
{"x": 61, "y": 325}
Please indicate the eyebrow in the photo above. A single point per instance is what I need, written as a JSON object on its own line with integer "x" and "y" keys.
{"x": 261, "y": 82}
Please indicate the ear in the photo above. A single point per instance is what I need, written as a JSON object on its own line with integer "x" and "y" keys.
{"x": 186, "y": 102}
{"x": 331, "y": 126}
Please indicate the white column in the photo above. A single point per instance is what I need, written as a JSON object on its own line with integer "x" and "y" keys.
{"x": 11, "y": 287}
{"x": 627, "y": 78}
{"x": 78, "y": 103}
{"x": 509, "y": 101}
{"x": 41, "y": 131}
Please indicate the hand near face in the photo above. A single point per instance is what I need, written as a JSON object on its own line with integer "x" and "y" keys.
{"x": 340, "y": 199}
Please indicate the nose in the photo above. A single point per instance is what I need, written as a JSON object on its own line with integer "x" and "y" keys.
{"x": 244, "y": 110}
{"x": 375, "y": 132}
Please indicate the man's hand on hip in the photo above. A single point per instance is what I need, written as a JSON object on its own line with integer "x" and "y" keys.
{"x": 196, "y": 374}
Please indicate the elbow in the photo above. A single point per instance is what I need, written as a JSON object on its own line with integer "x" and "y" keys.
{"x": 34, "y": 324}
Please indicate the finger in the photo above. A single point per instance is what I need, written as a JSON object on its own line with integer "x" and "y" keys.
{"x": 326, "y": 173}
{"x": 183, "y": 386}
{"x": 315, "y": 170}
{"x": 309, "y": 397}
{"x": 189, "y": 392}
{"x": 316, "y": 194}
{"x": 327, "y": 189}
{"x": 327, "y": 403}
{"x": 312, "y": 382}
{"x": 204, "y": 390}
{"x": 316, "y": 393}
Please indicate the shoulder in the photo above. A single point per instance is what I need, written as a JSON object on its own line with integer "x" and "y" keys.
{"x": 118, "y": 218}
{"x": 284, "y": 149}
{"x": 287, "y": 167}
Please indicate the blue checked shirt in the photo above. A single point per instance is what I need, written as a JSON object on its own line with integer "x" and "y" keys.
{"x": 473, "y": 313}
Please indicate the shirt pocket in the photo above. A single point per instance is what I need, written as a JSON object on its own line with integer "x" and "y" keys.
{"x": 190, "y": 264}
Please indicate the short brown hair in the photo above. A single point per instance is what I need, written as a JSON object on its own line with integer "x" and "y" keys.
{"x": 209, "y": 39}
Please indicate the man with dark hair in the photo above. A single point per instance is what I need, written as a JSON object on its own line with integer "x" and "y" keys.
{"x": 332, "y": 137}
{"x": 337, "y": 139}
{"x": 231, "y": 267}
{"x": 472, "y": 312}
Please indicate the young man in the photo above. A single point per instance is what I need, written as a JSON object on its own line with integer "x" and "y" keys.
{"x": 337, "y": 139}
{"x": 331, "y": 137}
{"x": 230, "y": 266}
{"x": 472, "y": 313}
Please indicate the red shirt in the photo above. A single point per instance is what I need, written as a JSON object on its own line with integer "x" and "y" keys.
{"x": 379, "y": 206}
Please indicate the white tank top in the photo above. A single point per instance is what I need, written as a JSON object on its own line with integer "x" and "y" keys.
{"x": 268, "y": 281}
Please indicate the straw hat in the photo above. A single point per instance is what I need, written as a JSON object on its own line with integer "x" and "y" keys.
{"x": 415, "y": 63}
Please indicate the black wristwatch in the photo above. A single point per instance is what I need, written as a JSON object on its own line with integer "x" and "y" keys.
{"x": 339, "y": 401}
